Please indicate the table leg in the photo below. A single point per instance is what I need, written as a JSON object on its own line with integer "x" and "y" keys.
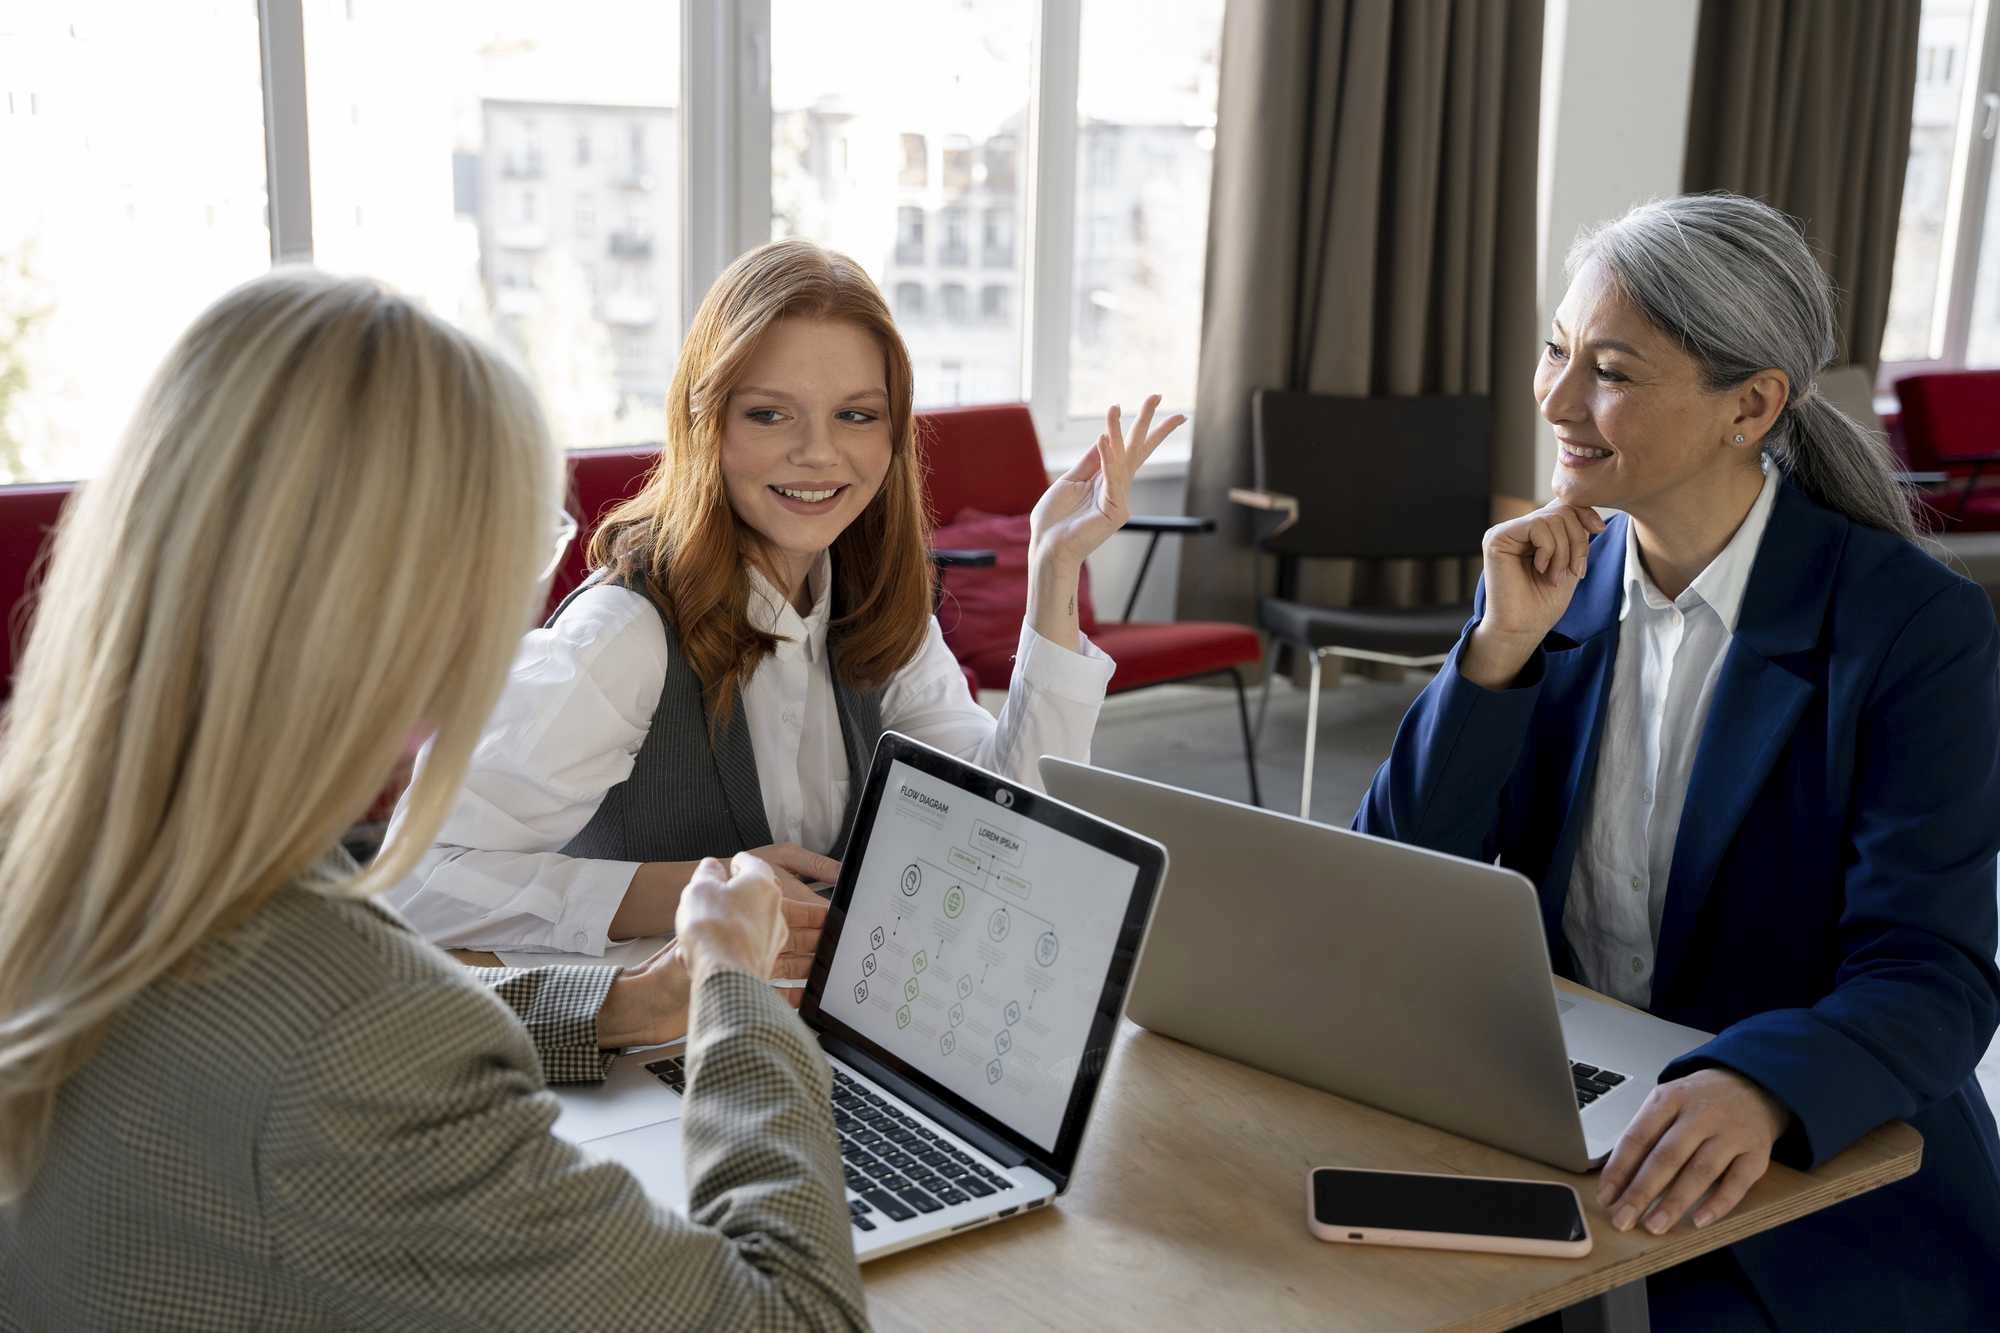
{"x": 1620, "y": 1310}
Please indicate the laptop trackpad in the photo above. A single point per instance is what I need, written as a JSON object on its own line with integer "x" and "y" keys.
{"x": 626, "y": 1100}
{"x": 652, "y": 1153}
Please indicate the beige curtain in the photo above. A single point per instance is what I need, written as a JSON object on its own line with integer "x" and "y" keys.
{"x": 1806, "y": 104}
{"x": 1371, "y": 231}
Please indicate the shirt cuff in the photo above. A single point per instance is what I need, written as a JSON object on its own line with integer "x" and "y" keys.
{"x": 592, "y": 899}
{"x": 1082, "y": 676}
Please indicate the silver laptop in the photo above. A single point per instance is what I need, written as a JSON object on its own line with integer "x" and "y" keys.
{"x": 967, "y": 986}
{"x": 1404, "y": 978}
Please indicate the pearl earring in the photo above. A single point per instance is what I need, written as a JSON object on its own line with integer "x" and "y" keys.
{"x": 1739, "y": 437}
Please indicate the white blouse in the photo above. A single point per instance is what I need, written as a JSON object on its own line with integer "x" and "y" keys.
{"x": 1670, "y": 655}
{"x": 577, "y": 706}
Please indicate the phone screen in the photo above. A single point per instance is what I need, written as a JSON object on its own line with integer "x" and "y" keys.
{"x": 1464, "y": 1205}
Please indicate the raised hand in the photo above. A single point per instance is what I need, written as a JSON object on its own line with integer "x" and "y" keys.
{"x": 1533, "y": 565}
{"x": 1091, "y": 501}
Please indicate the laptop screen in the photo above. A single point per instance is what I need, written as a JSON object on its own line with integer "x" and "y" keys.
{"x": 977, "y": 940}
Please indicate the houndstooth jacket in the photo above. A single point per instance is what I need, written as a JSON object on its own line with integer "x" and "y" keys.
{"x": 325, "y": 1123}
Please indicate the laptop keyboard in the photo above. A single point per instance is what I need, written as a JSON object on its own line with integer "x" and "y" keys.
{"x": 1592, "y": 1082}
{"x": 897, "y": 1167}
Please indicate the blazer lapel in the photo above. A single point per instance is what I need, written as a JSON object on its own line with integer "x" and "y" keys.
{"x": 1757, "y": 702}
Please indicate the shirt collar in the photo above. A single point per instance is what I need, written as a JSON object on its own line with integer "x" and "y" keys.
{"x": 1720, "y": 586}
{"x": 773, "y": 613}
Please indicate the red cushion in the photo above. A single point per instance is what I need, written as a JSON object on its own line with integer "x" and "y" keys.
{"x": 1949, "y": 415}
{"x": 983, "y": 458}
{"x": 28, "y": 517}
{"x": 1152, "y": 652}
{"x": 1982, "y": 511}
{"x": 982, "y": 609}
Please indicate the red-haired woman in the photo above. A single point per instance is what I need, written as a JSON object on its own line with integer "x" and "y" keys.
{"x": 761, "y": 612}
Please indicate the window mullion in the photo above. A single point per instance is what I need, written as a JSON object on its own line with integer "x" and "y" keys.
{"x": 1051, "y": 243}
{"x": 725, "y": 138}
{"x": 287, "y": 165}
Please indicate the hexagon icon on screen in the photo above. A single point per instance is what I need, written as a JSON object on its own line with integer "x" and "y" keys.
{"x": 875, "y": 938}
{"x": 868, "y": 965}
{"x": 861, "y": 992}
{"x": 920, "y": 962}
{"x": 964, "y": 987}
{"x": 948, "y": 1042}
{"x": 903, "y": 1017}
{"x": 1003, "y": 1041}
{"x": 910, "y": 989}
{"x": 1013, "y": 1012}
{"x": 998, "y": 925}
{"x": 957, "y": 1014}
{"x": 993, "y": 1071}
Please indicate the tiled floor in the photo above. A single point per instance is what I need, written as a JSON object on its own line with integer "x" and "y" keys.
{"x": 1201, "y": 747}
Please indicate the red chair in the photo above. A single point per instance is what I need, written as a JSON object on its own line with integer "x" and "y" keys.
{"x": 1951, "y": 424}
{"x": 28, "y": 518}
{"x": 988, "y": 461}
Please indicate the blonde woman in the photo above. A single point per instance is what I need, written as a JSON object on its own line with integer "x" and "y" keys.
{"x": 234, "y": 1092}
{"x": 760, "y": 614}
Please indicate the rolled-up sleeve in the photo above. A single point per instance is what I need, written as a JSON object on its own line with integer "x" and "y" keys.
{"x": 1052, "y": 704}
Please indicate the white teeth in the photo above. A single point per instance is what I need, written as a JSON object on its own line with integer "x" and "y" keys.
{"x": 1581, "y": 452}
{"x": 811, "y": 497}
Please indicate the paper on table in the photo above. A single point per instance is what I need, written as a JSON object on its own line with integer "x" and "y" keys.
{"x": 624, "y": 953}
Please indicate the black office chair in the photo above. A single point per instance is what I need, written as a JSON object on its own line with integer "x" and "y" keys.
{"x": 1364, "y": 479}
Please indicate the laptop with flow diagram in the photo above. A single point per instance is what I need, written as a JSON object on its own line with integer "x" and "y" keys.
{"x": 968, "y": 983}
{"x": 1401, "y": 977}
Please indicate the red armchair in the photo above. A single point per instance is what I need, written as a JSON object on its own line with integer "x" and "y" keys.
{"x": 1951, "y": 424}
{"x": 988, "y": 460}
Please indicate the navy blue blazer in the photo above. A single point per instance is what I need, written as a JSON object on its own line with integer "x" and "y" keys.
{"x": 1830, "y": 909}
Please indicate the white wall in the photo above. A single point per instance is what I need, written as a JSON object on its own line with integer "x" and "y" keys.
{"x": 1616, "y": 77}
{"x": 1161, "y": 488}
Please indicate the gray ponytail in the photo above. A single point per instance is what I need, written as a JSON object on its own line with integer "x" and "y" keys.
{"x": 1733, "y": 281}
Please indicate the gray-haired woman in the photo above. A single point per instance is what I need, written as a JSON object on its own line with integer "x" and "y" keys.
{"x": 1745, "y": 737}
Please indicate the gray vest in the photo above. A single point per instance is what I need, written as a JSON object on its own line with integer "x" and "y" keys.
{"x": 685, "y": 798}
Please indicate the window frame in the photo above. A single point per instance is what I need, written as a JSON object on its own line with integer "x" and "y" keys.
{"x": 725, "y": 178}
{"x": 1972, "y": 168}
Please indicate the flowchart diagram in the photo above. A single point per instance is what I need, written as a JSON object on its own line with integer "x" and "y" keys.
{"x": 972, "y": 952}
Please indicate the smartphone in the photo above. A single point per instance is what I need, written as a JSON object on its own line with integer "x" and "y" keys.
{"x": 1446, "y": 1212}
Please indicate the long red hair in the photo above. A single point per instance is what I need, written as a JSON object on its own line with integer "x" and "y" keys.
{"x": 680, "y": 539}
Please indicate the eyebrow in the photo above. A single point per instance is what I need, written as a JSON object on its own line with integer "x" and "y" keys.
{"x": 746, "y": 390}
{"x": 1607, "y": 344}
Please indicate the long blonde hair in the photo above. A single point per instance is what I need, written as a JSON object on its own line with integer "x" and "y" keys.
{"x": 679, "y": 535}
{"x": 320, "y": 531}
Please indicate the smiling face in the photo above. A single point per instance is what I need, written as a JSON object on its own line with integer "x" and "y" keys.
{"x": 1635, "y": 426}
{"x": 806, "y": 439}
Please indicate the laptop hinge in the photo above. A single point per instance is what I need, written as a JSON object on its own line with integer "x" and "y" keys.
{"x": 958, "y": 1123}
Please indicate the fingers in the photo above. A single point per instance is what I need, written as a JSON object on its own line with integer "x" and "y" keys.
{"x": 1551, "y": 543}
{"x": 1089, "y": 465}
{"x": 1744, "y": 1172}
{"x": 799, "y": 915}
{"x": 1579, "y": 541}
{"x": 805, "y": 864}
{"x": 1674, "y": 1150}
{"x": 793, "y": 995}
{"x": 1709, "y": 1161}
{"x": 793, "y": 966}
{"x": 1634, "y": 1144}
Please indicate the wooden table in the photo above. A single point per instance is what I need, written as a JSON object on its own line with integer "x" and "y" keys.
{"x": 1188, "y": 1208}
{"x": 1188, "y": 1211}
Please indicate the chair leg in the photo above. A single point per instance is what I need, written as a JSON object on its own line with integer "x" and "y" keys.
{"x": 1312, "y": 740}
{"x": 1264, "y": 696}
{"x": 1249, "y": 740}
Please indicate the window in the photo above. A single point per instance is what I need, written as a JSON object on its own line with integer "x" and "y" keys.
{"x": 133, "y": 197}
{"x": 915, "y": 172}
{"x": 1944, "y": 300}
{"x": 955, "y": 251}
{"x": 903, "y": 221}
{"x": 1001, "y": 151}
{"x": 1143, "y": 166}
{"x": 996, "y": 239}
{"x": 909, "y": 236}
{"x": 521, "y": 93}
{"x": 996, "y": 304}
